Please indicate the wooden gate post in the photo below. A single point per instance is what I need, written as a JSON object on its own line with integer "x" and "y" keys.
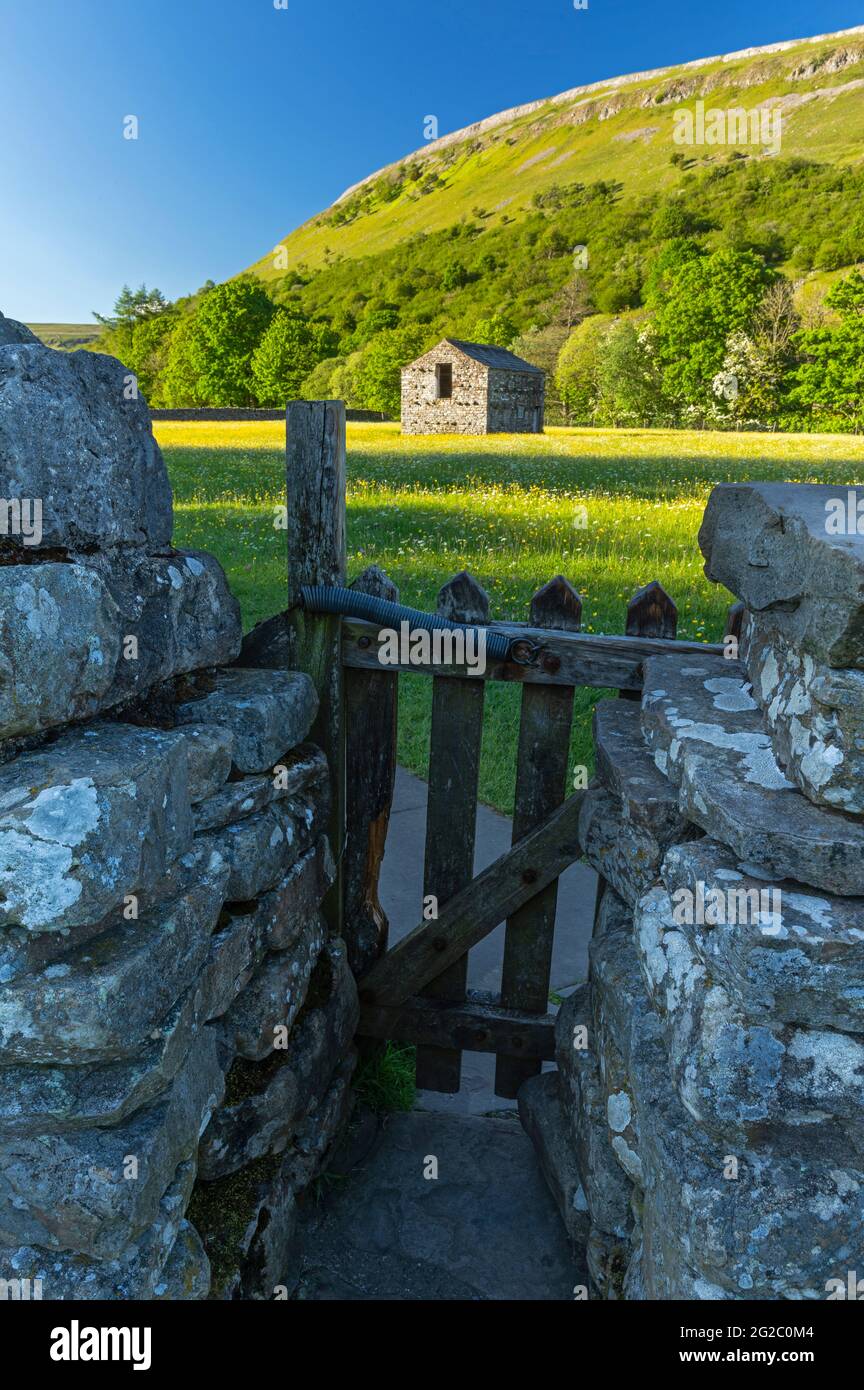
{"x": 316, "y": 481}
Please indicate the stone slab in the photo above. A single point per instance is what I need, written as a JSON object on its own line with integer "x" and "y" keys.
{"x": 11, "y": 331}
{"x": 628, "y": 772}
{"x": 264, "y": 1013}
{"x": 778, "y": 1230}
{"x": 788, "y": 953}
{"x": 708, "y": 736}
{"x": 167, "y": 1261}
{"x": 268, "y": 713}
{"x": 607, "y": 1190}
{"x": 815, "y": 715}
{"x": 71, "y": 436}
{"x": 543, "y": 1119}
{"x": 108, "y": 997}
{"x": 78, "y": 639}
{"x": 260, "y": 850}
{"x": 209, "y": 751}
{"x": 265, "y": 1102}
{"x": 391, "y": 1233}
{"x": 301, "y": 769}
{"x": 627, "y": 855}
{"x": 770, "y": 544}
{"x": 99, "y": 814}
{"x": 78, "y": 1191}
{"x": 744, "y": 1081}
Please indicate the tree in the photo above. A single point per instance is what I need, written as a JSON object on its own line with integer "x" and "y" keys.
{"x": 131, "y": 306}
{"x": 376, "y": 371}
{"x": 149, "y": 352}
{"x": 708, "y": 300}
{"x": 320, "y": 384}
{"x": 577, "y": 374}
{"x": 572, "y": 303}
{"x": 542, "y": 348}
{"x": 629, "y": 376}
{"x": 829, "y": 380}
{"x": 284, "y": 358}
{"x": 214, "y": 360}
{"x": 180, "y": 385}
{"x": 496, "y": 330}
{"x": 747, "y": 386}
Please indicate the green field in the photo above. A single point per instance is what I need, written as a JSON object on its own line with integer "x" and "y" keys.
{"x": 504, "y": 508}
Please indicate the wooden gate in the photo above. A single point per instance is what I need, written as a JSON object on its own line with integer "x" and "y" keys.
{"x": 416, "y": 991}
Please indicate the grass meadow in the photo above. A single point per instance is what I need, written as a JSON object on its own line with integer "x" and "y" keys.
{"x": 507, "y": 508}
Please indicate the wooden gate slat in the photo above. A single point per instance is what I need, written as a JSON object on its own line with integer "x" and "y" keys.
{"x": 496, "y": 893}
{"x": 371, "y": 700}
{"x": 541, "y": 775}
{"x": 451, "y": 816}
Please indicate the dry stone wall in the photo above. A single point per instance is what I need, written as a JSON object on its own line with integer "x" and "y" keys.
{"x": 176, "y": 1024}
{"x": 709, "y": 1084}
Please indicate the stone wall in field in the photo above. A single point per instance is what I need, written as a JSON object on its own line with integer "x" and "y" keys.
{"x": 220, "y": 414}
{"x": 705, "y": 1129}
{"x": 176, "y": 1023}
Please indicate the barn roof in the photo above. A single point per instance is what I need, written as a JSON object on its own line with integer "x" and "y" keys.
{"x": 497, "y": 357}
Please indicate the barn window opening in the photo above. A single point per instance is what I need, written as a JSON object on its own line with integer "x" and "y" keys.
{"x": 445, "y": 380}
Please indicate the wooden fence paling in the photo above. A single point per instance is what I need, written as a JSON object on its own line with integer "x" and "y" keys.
{"x": 651, "y": 613}
{"x": 541, "y": 775}
{"x": 371, "y": 700}
{"x": 451, "y": 816}
{"x": 315, "y": 468}
{"x": 494, "y": 895}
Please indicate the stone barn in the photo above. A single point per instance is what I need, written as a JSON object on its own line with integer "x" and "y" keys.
{"x": 471, "y": 388}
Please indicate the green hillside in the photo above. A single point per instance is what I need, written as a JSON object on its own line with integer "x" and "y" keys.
{"x": 706, "y": 282}
{"x": 620, "y": 132}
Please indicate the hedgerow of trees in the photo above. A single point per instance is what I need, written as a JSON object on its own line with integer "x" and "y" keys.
{"x": 685, "y": 313}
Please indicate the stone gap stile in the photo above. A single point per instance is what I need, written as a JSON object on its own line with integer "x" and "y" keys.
{"x": 176, "y": 1021}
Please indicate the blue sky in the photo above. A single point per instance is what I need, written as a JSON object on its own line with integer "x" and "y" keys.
{"x": 252, "y": 118}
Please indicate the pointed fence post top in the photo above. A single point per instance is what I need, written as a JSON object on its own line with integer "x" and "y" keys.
{"x": 652, "y": 613}
{"x": 557, "y": 605}
{"x": 463, "y": 600}
{"x": 374, "y": 581}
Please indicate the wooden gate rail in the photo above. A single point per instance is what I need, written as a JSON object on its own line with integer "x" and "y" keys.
{"x": 479, "y": 1024}
{"x": 568, "y": 658}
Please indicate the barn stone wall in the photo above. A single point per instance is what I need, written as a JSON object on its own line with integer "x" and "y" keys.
{"x": 704, "y": 1132}
{"x": 465, "y": 413}
{"x": 515, "y": 402}
{"x": 176, "y": 1023}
